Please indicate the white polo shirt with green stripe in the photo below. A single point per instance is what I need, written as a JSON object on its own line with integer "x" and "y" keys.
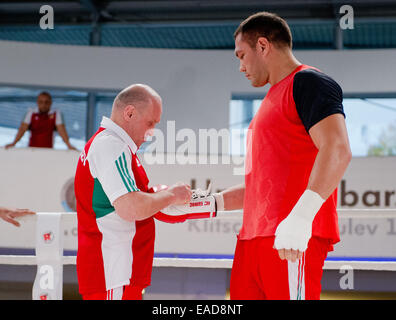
{"x": 104, "y": 173}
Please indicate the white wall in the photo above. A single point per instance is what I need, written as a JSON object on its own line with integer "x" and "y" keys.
{"x": 196, "y": 85}
{"x": 40, "y": 179}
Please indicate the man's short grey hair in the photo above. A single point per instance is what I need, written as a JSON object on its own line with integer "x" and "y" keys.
{"x": 137, "y": 95}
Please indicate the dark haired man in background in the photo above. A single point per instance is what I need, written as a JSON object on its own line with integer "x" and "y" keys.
{"x": 42, "y": 122}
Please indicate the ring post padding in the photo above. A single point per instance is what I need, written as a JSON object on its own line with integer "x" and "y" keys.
{"x": 48, "y": 283}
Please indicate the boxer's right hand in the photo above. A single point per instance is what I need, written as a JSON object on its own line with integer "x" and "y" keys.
{"x": 182, "y": 193}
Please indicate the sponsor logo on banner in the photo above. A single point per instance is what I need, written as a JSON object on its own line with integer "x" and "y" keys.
{"x": 48, "y": 237}
{"x": 44, "y": 296}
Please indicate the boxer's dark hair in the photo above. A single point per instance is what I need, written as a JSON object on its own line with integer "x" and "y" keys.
{"x": 268, "y": 25}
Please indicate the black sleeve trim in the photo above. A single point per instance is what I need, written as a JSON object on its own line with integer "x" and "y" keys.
{"x": 316, "y": 96}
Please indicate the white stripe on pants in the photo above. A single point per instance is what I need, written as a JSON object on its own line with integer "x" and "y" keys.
{"x": 296, "y": 274}
{"x": 115, "y": 294}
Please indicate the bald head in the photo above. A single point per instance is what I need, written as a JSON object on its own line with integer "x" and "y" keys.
{"x": 137, "y": 109}
{"x": 138, "y": 95}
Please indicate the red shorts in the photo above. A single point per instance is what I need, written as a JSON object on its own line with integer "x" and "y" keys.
{"x": 259, "y": 274}
{"x": 121, "y": 293}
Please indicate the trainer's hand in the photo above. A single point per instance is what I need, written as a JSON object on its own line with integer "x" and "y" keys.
{"x": 9, "y": 215}
{"x": 182, "y": 193}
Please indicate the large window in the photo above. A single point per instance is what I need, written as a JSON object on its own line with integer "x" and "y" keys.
{"x": 104, "y": 103}
{"x": 242, "y": 111}
{"x": 371, "y": 124}
{"x": 15, "y": 102}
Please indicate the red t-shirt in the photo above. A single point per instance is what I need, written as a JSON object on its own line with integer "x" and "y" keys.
{"x": 42, "y": 127}
{"x": 279, "y": 159}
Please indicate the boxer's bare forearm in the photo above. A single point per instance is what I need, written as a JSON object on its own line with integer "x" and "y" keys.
{"x": 330, "y": 137}
{"x": 233, "y": 197}
{"x": 330, "y": 165}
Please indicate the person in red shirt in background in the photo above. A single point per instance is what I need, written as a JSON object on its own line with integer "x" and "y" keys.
{"x": 297, "y": 153}
{"x": 42, "y": 123}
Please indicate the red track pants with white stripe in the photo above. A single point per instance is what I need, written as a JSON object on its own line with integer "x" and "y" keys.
{"x": 121, "y": 293}
{"x": 259, "y": 274}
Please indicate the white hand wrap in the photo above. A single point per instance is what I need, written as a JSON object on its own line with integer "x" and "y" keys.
{"x": 199, "y": 207}
{"x": 295, "y": 230}
{"x": 219, "y": 201}
{"x": 202, "y": 205}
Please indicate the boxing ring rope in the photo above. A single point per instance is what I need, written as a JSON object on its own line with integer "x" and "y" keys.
{"x": 30, "y": 260}
{"x": 49, "y": 257}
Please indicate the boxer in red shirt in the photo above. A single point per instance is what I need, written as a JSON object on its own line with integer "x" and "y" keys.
{"x": 297, "y": 153}
{"x": 42, "y": 123}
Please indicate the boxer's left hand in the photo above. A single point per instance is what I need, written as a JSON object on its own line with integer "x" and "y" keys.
{"x": 293, "y": 233}
{"x": 292, "y": 236}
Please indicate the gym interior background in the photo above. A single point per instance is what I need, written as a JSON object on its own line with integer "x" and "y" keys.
{"x": 184, "y": 50}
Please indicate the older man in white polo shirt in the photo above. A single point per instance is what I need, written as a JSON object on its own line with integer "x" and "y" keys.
{"x": 114, "y": 209}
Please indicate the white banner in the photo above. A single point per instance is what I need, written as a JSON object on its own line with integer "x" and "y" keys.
{"x": 49, "y": 243}
{"x": 42, "y": 180}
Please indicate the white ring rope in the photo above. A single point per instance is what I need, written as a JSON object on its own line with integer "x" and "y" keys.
{"x": 49, "y": 257}
{"x": 342, "y": 214}
{"x": 212, "y": 263}
{"x": 226, "y": 263}
{"x": 237, "y": 214}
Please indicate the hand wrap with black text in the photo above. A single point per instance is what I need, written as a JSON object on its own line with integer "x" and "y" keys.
{"x": 201, "y": 206}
